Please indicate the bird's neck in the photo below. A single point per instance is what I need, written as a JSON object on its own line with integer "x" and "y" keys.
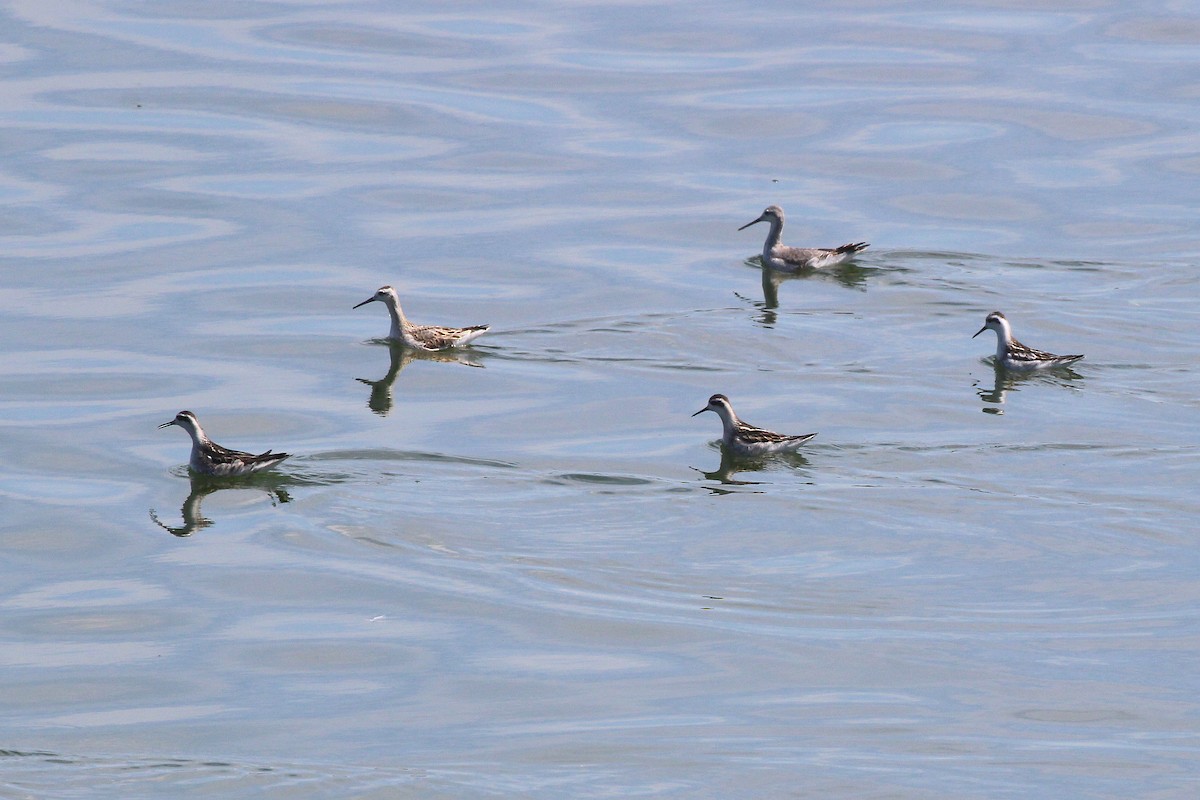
{"x": 399, "y": 321}
{"x": 1004, "y": 340}
{"x": 773, "y": 236}
{"x": 199, "y": 440}
{"x": 729, "y": 423}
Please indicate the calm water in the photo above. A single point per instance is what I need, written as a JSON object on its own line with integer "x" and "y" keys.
{"x": 525, "y": 571}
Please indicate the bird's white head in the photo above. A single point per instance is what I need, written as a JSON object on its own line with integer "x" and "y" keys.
{"x": 770, "y": 214}
{"x": 186, "y": 420}
{"x": 385, "y": 294}
{"x": 720, "y": 404}
{"x": 996, "y": 322}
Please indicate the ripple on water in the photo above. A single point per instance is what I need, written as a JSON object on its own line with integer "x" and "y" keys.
{"x": 63, "y": 491}
{"x": 1067, "y": 126}
{"x": 95, "y": 234}
{"x": 886, "y": 136}
{"x": 988, "y": 208}
{"x": 409, "y": 39}
{"x": 47, "y": 773}
{"x": 95, "y": 593}
{"x": 120, "y": 151}
{"x": 598, "y": 479}
{"x": 641, "y": 61}
{"x": 384, "y": 454}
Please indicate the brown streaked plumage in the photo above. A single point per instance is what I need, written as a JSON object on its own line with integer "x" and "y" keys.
{"x": 792, "y": 259}
{"x": 746, "y": 439}
{"x": 1011, "y": 354}
{"x": 421, "y": 337}
{"x": 210, "y": 458}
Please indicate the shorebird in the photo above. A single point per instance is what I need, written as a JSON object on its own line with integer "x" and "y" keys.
{"x": 745, "y": 439}
{"x": 792, "y": 259}
{"x": 1012, "y": 354}
{"x": 210, "y": 458}
{"x": 422, "y": 337}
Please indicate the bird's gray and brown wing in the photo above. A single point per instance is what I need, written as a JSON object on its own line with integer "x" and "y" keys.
{"x": 752, "y": 435}
{"x": 801, "y": 256}
{"x": 1024, "y": 354}
{"x": 224, "y": 460}
{"x": 218, "y": 456}
{"x": 435, "y": 337}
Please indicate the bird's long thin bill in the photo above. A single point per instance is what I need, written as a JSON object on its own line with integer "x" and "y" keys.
{"x": 748, "y": 224}
{"x": 981, "y": 330}
{"x": 364, "y": 302}
{"x": 166, "y": 425}
{"x": 701, "y": 411}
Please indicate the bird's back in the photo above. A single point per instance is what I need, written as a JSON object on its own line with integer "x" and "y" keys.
{"x": 213, "y": 459}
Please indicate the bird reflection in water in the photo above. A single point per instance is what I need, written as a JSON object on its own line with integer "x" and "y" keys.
{"x": 731, "y": 464}
{"x": 380, "y": 401}
{"x": 850, "y": 275}
{"x": 203, "y": 485}
{"x": 1006, "y": 380}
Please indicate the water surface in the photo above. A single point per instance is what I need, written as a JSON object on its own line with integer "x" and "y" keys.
{"x": 524, "y": 570}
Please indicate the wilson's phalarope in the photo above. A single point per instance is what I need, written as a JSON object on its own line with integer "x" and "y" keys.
{"x": 780, "y": 256}
{"x": 422, "y": 337}
{"x": 745, "y": 439}
{"x": 1011, "y": 354}
{"x": 209, "y": 458}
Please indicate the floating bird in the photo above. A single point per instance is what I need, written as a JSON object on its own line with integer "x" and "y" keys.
{"x": 745, "y": 439}
{"x": 1012, "y": 354}
{"x": 210, "y": 458}
{"x": 422, "y": 337}
{"x": 792, "y": 259}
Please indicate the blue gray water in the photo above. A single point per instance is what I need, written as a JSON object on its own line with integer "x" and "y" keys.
{"x": 525, "y": 571}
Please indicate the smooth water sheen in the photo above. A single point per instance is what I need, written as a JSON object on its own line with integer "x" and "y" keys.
{"x": 523, "y": 570}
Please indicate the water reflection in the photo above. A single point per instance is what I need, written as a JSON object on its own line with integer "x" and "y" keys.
{"x": 1005, "y": 380}
{"x": 731, "y": 464}
{"x": 380, "y": 400}
{"x": 273, "y": 483}
{"x": 850, "y": 275}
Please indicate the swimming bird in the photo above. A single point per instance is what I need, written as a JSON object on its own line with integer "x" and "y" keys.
{"x": 1012, "y": 354}
{"x": 745, "y": 439}
{"x": 422, "y": 337}
{"x": 210, "y": 458}
{"x": 780, "y": 256}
